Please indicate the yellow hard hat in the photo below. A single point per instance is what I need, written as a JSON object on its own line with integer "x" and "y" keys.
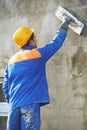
{"x": 22, "y": 35}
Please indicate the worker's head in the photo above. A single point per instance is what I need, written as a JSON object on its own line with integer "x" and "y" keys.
{"x": 23, "y": 36}
{"x": 32, "y": 40}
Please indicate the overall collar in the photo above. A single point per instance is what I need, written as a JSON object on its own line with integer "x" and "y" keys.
{"x": 27, "y": 47}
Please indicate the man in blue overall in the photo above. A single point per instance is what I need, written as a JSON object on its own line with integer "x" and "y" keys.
{"x": 25, "y": 84}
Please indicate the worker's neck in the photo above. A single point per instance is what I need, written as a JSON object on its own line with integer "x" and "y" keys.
{"x": 28, "y": 47}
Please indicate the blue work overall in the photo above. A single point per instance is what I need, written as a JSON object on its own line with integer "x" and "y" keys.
{"x": 24, "y": 118}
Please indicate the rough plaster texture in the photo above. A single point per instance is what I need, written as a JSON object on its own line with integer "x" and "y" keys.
{"x": 66, "y": 71}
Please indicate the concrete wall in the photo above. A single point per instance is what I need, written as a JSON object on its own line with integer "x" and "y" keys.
{"x": 66, "y": 71}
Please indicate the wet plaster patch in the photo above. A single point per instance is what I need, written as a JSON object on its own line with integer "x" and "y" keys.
{"x": 78, "y": 63}
{"x": 78, "y": 76}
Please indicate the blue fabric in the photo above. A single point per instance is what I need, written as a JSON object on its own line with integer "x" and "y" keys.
{"x": 24, "y": 118}
{"x": 52, "y": 47}
{"x": 13, "y": 122}
{"x": 26, "y": 47}
{"x": 25, "y": 82}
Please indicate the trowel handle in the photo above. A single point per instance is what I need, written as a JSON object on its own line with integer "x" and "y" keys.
{"x": 65, "y": 23}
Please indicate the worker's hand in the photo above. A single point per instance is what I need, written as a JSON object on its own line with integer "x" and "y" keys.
{"x": 65, "y": 23}
{"x": 67, "y": 19}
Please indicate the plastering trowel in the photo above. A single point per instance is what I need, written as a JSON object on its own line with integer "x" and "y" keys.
{"x": 76, "y": 25}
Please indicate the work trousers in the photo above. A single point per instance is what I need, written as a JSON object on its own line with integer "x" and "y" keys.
{"x": 24, "y": 118}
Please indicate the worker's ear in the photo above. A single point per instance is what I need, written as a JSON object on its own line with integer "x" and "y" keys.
{"x": 31, "y": 42}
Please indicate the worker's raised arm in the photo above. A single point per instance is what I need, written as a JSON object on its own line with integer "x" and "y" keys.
{"x": 52, "y": 47}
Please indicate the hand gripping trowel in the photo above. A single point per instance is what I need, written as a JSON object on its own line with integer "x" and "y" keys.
{"x": 76, "y": 25}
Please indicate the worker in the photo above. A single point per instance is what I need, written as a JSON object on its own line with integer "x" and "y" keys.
{"x": 25, "y": 84}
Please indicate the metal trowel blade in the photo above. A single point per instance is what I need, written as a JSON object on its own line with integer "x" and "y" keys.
{"x": 76, "y": 25}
